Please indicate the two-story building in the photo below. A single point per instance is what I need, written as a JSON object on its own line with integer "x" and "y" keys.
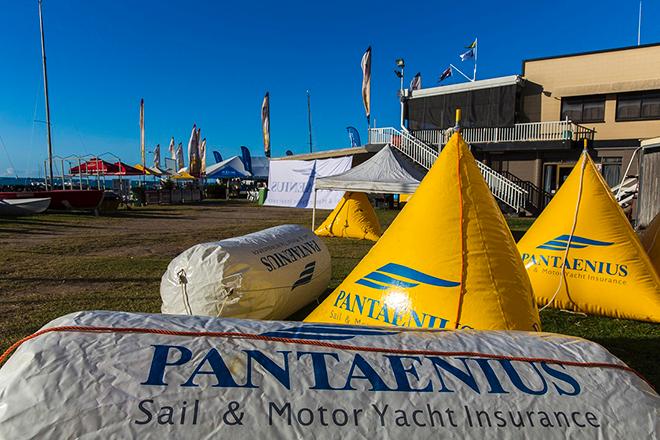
{"x": 530, "y": 127}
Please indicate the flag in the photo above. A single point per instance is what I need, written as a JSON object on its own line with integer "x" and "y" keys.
{"x": 193, "y": 152}
{"x": 157, "y": 156}
{"x": 180, "y": 163}
{"x": 416, "y": 82}
{"x": 446, "y": 74}
{"x": 142, "y": 132}
{"x": 202, "y": 155}
{"x": 467, "y": 55}
{"x": 353, "y": 136}
{"x": 217, "y": 156}
{"x": 247, "y": 159}
{"x": 265, "y": 123}
{"x": 366, "y": 82}
{"x": 172, "y": 149}
{"x": 472, "y": 45}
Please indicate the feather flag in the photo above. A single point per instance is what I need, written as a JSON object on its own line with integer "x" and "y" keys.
{"x": 416, "y": 82}
{"x": 193, "y": 152}
{"x": 217, "y": 156}
{"x": 142, "y": 153}
{"x": 353, "y": 136}
{"x": 172, "y": 149}
{"x": 202, "y": 155}
{"x": 246, "y": 158}
{"x": 180, "y": 163}
{"x": 366, "y": 82}
{"x": 446, "y": 74}
{"x": 157, "y": 156}
{"x": 265, "y": 123}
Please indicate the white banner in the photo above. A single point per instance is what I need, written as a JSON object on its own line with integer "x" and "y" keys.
{"x": 291, "y": 182}
{"x": 125, "y": 375}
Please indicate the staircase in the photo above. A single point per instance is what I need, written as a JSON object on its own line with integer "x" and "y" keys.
{"x": 536, "y": 199}
{"x": 504, "y": 190}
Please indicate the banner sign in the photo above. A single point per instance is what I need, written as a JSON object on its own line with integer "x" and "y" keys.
{"x": 124, "y": 375}
{"x": 291, "y": 182}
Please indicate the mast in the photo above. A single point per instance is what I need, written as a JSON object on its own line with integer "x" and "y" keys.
{"x": 309, "y": 120}
{"x": 43, "y": 56}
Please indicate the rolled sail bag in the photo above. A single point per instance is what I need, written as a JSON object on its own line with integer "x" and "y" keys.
{"x": 124, "y": 375}
{"x": 268, "y": 274}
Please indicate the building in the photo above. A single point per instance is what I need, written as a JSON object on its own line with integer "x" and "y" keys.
{"x": 531, "y": 127}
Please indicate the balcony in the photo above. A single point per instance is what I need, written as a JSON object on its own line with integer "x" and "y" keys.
{"x": 527, "y": 132}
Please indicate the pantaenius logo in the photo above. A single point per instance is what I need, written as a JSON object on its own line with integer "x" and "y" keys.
{"x": 559, "y": 243}
{"x": 384, "y": 278}
{"x": 306, "y": 275}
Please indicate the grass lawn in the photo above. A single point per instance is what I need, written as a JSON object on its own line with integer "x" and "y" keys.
{"x": 55, "y": 264}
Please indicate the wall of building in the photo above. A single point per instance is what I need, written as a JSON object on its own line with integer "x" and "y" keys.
{"x": 603, "y": 73}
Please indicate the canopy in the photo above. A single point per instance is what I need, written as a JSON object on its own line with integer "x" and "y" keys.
{"x": 387, "y": 172}
{"x": 183, "y": 175}
{"x": 154, "y": 171}
{"x": 99, "y": 166}
{"x": 228, "y": 169}
{"x": 260, "y": 165}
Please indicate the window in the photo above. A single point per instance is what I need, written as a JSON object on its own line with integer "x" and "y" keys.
{"x": 611, "y": 170}
{"x": 583, "y": 109}
{"x": 638, "y": 106}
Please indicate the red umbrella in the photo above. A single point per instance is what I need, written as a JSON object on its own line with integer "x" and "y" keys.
{"x": 94, "y": 166}
{"x": 120, "y": 168}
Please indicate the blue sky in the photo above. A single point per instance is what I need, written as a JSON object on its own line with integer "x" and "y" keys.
{"x": 211, "y": 62}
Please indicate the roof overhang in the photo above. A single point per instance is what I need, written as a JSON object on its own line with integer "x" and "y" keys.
{"x": 469, "y": 86}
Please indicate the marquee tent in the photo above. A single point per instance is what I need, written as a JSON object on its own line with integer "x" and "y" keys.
{"x": 228, "y": 169}
{"x": 388, "y": 171}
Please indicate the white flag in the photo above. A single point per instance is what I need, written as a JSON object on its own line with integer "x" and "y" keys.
{"x": 265, "y": 123}
{"x": 193, "y": 152}
{"x": 180, "y": 163}
{"x": 172, "y": 149}
{"x": 157, "y": 156}
{"x": 366, "y": 82}
{"x": 202, "y": 155}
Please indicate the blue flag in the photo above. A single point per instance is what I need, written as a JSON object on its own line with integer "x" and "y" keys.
{"x": 467, "y": 55}
{"x": 247, "y": 159}
{"x": 217, "y": 156}
{"x": 354, "y": 136}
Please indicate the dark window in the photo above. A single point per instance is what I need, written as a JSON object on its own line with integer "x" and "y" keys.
{"x": 583, "y": 109}
{"x": 611, "y": 170}
{"x": 638, "y": 106}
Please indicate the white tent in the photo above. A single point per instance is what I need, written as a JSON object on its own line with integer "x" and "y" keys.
{"x": 228, "y": 169}
{"x": 388, "y": 171}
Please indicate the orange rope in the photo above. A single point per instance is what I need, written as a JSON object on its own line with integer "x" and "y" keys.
{"x": 461, "y": 291}
{"x": 238, "y": 335}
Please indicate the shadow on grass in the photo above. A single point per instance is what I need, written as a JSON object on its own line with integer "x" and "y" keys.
{"x": 641, "y": 354}
{"x": 148, "y": 214}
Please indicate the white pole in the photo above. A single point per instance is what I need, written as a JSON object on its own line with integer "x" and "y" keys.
{"x": 639, "y": 24}
{"x": 314, "y": 211}
{"x": 476, "y": 49}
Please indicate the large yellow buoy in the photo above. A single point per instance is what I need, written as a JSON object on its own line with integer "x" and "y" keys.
{"x": 447, "y": 261}
{"x": 353, "y": 217}
{"x": 582, "y": 254}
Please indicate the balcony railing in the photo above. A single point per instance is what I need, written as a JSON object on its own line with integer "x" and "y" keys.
{"x": 526, "y": 132}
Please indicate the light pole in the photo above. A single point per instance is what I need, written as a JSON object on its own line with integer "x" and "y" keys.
{"x": 399, "y": 72}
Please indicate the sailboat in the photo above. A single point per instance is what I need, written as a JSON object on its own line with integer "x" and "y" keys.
{"x": 63, "y": 199}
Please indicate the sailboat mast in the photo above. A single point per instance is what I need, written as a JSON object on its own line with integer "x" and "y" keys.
{"x": 43, "y": 56}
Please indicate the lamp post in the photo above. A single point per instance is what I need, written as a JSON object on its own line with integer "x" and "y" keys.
{"x": 399, "y": 72}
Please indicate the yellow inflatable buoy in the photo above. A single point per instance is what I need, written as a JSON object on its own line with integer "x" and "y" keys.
{"x": 447, "y": 261}
{"x": 582, "y": 254}
{"x": 353, "y": 217}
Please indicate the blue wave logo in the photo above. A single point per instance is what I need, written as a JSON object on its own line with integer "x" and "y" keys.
{"x": 319, "y": 332}
{"x": 306, "y": 275}
{"x": 384, "y": 278}
{"x": 561, "y": 242}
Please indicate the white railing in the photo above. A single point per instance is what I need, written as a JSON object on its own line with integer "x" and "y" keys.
{"x": 626, "y": 191}
{"x": 526, "y": 132}
{"x": 501, "y": 187}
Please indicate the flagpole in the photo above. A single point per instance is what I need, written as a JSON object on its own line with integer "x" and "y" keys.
{"x": 309, "y": 120}
{"x": 476, "y": 52}
{"x": 459, "y": 71}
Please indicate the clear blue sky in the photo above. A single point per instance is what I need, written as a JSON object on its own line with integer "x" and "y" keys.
{"x": 211, "y": 62}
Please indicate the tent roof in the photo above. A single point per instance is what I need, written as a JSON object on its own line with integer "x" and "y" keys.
{"x": 228, "y": 168}
{"x": 388, "y": 171}
{"x": 154, "y": 171}
{"x": 260, "y": 165}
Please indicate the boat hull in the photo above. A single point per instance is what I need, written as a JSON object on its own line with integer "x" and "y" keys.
{"x": 63, "y": 199}
{"x": 15, "y": 207}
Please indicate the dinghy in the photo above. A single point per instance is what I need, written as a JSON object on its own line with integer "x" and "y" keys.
{"x": 13, "y": 207}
